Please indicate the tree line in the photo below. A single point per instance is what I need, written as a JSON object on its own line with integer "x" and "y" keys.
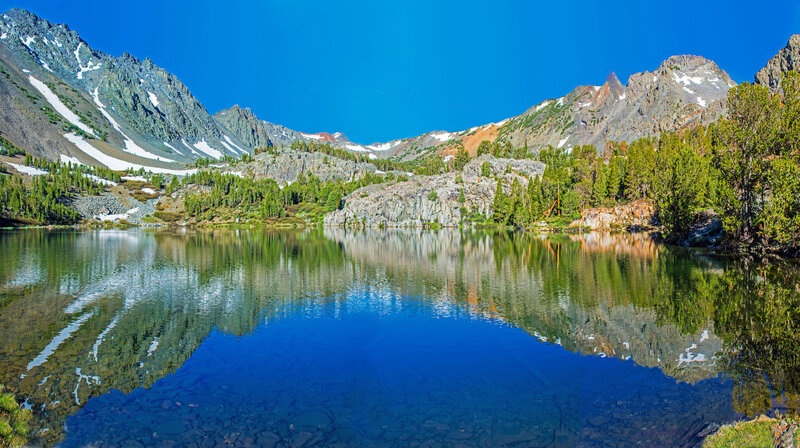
{"x": 746, "y": 167}
{"x": 264, "y": 198}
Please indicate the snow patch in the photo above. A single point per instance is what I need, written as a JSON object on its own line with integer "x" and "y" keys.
{"x": 3, "y": 36}
{"x": 60, "y": 107}
{"x": 203, "y": 146}
{"x": 190, "y": 148}
{"x": 543, "y": 105}
{"x": 311, "y": 136}
{"x": 118, "y": 216}
{"x": 372, "y": 156}
{"x": 153, "y": 98}
{"x": 89, "y": 67}
{"x": 686, "y": 79}
{"x": 27, "y": 41}
{"x": 690, "y": 91}
{"x": 117, "y": 164}
{"x": 29, "y": 170}
{"x": 130, "y": 146}
{"x": 443, "y": 136}
{"x": 382, "y": 146}
{"x": 25, "y": 70}
{"x": 701, "y": 102}
{"x": 561, "y": 142}
{"x": 134, "y": 178}
{"x": 228, "y": 147}
{"x": 355, "y": 148}
{"x": 67, "y": 159}
{"x": 148, "y": 190}
{"x": 100, "y": 180}
{"x": 172, "y": 148}
{"x": 230, "y": 142}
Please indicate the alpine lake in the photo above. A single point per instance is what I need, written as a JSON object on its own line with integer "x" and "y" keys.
{"x": 338, "y": 338}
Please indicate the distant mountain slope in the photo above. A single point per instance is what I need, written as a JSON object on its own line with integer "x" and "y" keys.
{"x": 683, "y": 91}
{"x": 126, "y": 111}
{"x": 787, "y": 59}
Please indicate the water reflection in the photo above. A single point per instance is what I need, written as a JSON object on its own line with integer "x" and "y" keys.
{"x": 85, "y": 313}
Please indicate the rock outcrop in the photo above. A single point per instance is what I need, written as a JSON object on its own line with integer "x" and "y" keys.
{"x": 636, "y": 214}
{"x": 706, "y": 230}
{"x": 412, "y": 203}
{"x": 788, "y": 59}
{"x": 287, "y": 164}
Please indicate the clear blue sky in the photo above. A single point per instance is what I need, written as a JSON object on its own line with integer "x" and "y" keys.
{"x": 380, "y": 70}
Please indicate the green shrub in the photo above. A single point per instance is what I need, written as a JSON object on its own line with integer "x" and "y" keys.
{"x": 13, "y": 422}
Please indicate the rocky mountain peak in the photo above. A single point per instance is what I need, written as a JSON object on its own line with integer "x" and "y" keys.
{"x": 615, "y": 87}
{"x": 787, "y": 59}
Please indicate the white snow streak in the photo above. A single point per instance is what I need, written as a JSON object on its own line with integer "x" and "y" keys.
{"x": 89, "y": 67}
{"x": 117, "y": 164}
{"x": 203, "y": 146}
{"x": 153, "y": 98}
{"x": 29, "y": 170}
{"x": 60, "y": 107}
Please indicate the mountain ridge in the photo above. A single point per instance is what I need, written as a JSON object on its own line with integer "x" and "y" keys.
{"x": 131, "y": 113}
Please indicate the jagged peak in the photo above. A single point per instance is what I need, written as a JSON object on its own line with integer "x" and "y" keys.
{"x": 684, "y": 61}
{"x": 786, "y": 59}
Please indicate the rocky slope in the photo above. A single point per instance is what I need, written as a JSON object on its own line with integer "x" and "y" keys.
{"x": 62, "y": 98}
{"x": 287, "y": 164}
{"x": 788, "y": 59}
{"x": 412, "y": 203}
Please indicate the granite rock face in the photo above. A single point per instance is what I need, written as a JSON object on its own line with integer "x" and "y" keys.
{"x": 788, "y": 59}
{"x": 411, "y": 203}
{"x": 287, "y": 164}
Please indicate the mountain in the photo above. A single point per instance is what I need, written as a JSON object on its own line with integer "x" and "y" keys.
{"x": 787, "y": 59}
{"x": 63, "y": 99}
{"x": 683, "y": 91}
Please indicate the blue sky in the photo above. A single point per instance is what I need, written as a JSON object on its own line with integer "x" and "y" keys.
{"x": 380, "y": 70}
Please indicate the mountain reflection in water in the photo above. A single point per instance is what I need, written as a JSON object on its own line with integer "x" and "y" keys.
{"x": 105, "y": 331}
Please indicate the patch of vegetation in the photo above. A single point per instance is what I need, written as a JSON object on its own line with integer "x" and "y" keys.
{"x": 750, "y": 434}
{"x": 14, "y": 429}
{"x": 168, "y": 216}
{"x": 232, "y": 197}
{"x": 9, "y": 149}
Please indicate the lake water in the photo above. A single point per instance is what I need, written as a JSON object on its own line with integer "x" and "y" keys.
{"x": 388, "y": 338}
